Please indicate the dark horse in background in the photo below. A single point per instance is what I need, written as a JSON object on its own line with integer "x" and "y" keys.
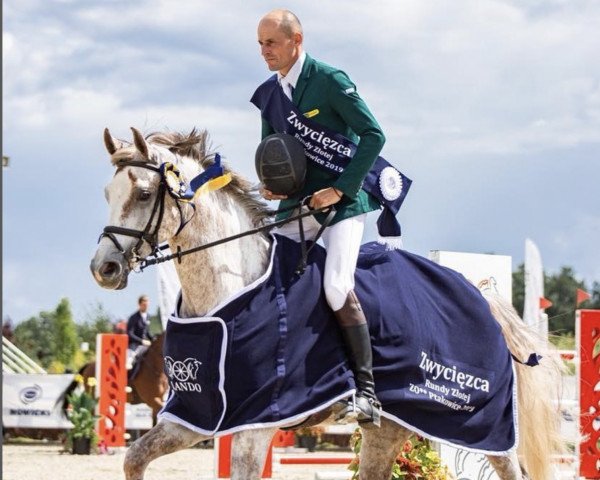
{"x": 149, "y": 384}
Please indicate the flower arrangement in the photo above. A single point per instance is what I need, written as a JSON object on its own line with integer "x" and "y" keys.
{"x": 308, "y": 437}
{"x": 81, "y": 413}
{"x": 315, "y": 431}
{"x": 416, "y": 461}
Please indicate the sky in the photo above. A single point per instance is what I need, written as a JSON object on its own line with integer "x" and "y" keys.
{"x": 491, "y": 107}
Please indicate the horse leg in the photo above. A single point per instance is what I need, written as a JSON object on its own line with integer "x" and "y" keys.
{"x": 507, "y": 468}
{"x": 165, "y": 437}
{"x": 379, "y": 449}
{"x": 156, "y": 406}
{"x": 248, "y": 453}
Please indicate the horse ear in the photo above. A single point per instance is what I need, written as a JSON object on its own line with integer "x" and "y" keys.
{"x": 140, "y": 142}
{"x": 109, "y": 142}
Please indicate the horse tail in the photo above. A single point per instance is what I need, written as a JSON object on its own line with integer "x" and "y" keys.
{"x": 539, "y": 391}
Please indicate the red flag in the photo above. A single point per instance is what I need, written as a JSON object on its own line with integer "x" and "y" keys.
{"x": 582, "y": 296}
{"x": 545, "y": 303}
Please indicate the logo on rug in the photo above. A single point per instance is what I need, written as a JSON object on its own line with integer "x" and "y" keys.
{"x": 182, "y": 374}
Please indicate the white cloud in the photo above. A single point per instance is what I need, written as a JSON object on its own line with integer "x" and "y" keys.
{"x": 463, "y": 80}
{"x": 471, "y": 92}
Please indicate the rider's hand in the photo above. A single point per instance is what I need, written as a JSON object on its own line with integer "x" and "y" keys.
{"x": 146, "y": 342}
{"x": 325, "y": 198}
{"x": 268, "y": 195}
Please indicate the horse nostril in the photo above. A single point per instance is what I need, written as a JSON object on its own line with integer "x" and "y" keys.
{"x": 110, "y": 269}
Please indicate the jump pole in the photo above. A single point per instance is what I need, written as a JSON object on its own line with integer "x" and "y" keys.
{"x": 111, "y": 373}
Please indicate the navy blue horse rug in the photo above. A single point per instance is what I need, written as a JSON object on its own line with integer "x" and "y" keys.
{"x": 273, "y": 354}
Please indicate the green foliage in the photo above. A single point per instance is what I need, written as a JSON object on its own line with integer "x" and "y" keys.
{"x": 53, "y": 339}
{"x": 594, "y": 302}
{"x": 518, "y": 289}
{"x": 561, "y": 290}
{"x": 56, "y": 366}
{"x": 65, "y": 334}
{"x": 155, "y": 327}
{"x": 98, "y": 320}
{"x": 81, "y": 413}
{"x": 35, "y": 337}
{"x": 563, "y": 342}
{"x": 416, "y": 461}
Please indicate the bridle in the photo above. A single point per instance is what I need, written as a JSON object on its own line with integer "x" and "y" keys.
{"x": 148, "y": 234}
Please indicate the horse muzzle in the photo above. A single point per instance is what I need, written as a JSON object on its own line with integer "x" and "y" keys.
{"x": 110, "y": 272}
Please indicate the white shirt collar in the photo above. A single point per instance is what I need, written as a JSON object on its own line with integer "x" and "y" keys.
{"x": 294, "y": 73}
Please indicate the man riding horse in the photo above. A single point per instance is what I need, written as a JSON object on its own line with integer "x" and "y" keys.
{"x": 138, "y": 332}
{"x": 329, "y": 96}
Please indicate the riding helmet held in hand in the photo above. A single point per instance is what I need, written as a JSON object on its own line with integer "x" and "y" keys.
{"x": 281, "y": 164}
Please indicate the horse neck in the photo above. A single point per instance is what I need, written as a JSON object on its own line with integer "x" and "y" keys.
{"x": 210, "y": 276}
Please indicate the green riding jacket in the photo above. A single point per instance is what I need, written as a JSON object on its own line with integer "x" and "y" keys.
{"x": 330, "y": 92}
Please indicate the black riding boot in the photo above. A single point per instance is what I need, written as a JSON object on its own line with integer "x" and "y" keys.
{"x": 364, "y": 407}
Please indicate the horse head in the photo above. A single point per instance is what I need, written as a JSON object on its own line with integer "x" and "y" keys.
{"x": 141, "y": 215}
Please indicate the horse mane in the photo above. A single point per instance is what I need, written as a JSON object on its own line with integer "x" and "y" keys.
{"x": 196, "y": 145}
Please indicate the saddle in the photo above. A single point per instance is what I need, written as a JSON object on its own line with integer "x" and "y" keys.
{"x": 138, "y": 360}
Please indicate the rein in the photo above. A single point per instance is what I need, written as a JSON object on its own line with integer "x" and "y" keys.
{"x": 157, "y": 258}
{"x": 159, "y": 206}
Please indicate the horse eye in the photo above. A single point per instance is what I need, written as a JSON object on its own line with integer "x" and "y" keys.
{"x": 144, "y": 195}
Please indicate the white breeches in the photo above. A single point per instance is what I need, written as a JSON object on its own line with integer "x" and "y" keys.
{"x": 342, "y": 242}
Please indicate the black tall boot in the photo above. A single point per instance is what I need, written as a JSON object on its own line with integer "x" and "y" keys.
{"x": 364, "y": 406}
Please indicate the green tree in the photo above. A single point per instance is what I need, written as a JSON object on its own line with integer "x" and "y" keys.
{"x": 98, "y": 320}
{"x": 65, "y": 333}
{"x": 518, "y": 289}
{"x": 593, "y": 302}
{"x": 35, "y": 337}
{"x": 561, "y": 290}
{"x": 155, "y": 327}
{"x": 53, "y": 339}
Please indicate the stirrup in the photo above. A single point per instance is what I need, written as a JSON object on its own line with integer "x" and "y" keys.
{"x": 360, "y": 409}
{"x": 348, "y": 414}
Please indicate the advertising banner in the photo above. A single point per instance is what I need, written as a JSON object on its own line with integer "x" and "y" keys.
{"x": 34, "y": 400}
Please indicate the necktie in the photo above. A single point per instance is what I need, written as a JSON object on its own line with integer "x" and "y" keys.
{"x": 287, "y": 89}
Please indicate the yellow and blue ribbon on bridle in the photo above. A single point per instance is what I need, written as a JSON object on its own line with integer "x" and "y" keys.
{"x": 171, "y": 181}
{"x": 212, "y": 178}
